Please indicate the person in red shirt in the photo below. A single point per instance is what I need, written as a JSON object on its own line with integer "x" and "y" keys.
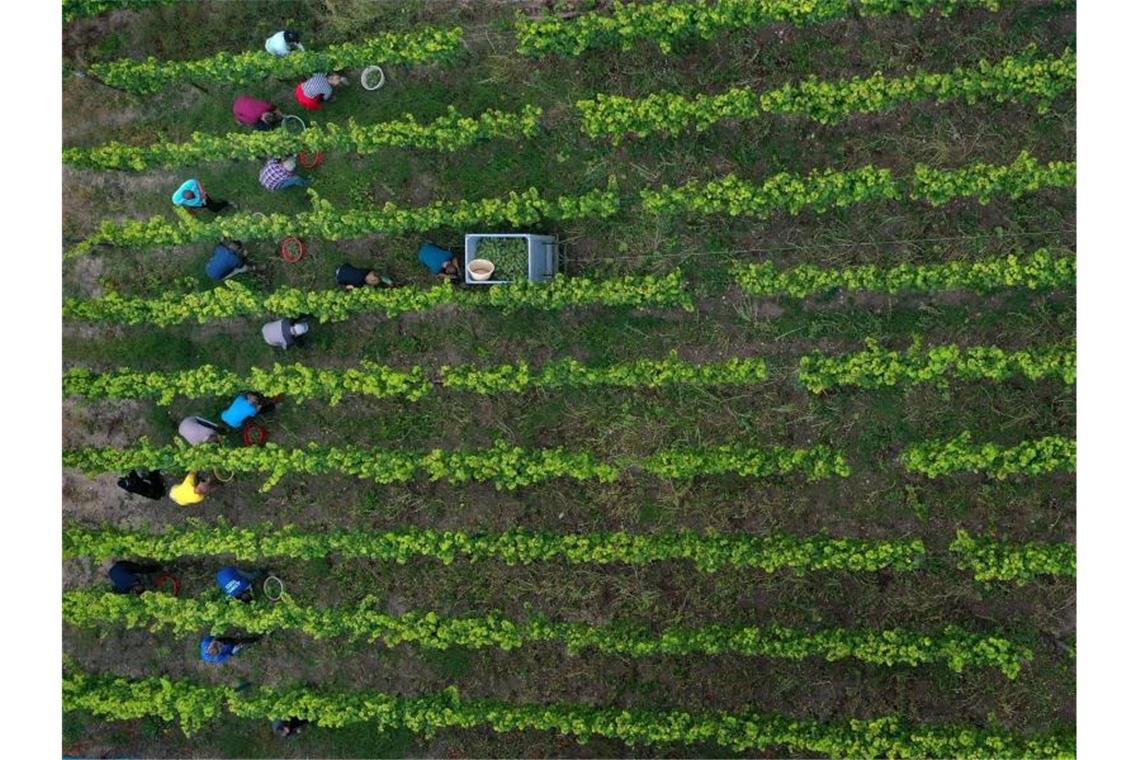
{"x": 259, "y": 114}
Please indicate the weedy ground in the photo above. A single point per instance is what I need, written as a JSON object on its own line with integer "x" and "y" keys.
{"x": 878, "y": 501}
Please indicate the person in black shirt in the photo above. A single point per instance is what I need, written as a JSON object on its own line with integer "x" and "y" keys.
{"x": 290, "y": 727}
{"x": 148, "y": 484}
{"x": 349, "y": 277}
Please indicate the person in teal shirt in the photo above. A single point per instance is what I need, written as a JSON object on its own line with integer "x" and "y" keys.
{"x": 440, "y": 262}
{"x": 246, "y": 406}
{"x": 191, "y": 194}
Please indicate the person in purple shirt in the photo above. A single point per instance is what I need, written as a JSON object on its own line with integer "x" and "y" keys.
{"x": 192, "y": 195}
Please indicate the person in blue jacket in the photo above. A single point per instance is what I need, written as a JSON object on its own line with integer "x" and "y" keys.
{"x": 440, "y": 262}
{"x": 219, "y": 649}
{"x": 130, "y": 577}
{"x": 227, "y": 260}
{"x": 236, "y": 584}
{"x": 246, "y": 406}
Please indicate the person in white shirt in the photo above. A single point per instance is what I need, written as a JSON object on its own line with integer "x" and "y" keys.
{"x": 283, "y": 333}
{"x": 283, "y": 43}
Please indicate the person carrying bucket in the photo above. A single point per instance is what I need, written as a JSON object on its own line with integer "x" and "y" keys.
{"x": 317, "y": 89}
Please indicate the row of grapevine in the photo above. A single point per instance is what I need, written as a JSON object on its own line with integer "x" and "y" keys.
{"x": 233, "y": 299}
{"x": 450, "y": 132}
{"x": 1037, "y": 456}
{"x": 195, "y": 704}
{"x": 879, "y": 367}
{"x": 302, "y": 383}
{"x": 956, "y": 648}
{"x": 1022, "y": 78}
{"x": 820, "y": 191}
{"x": 1040, "y": 270}
{"x": 329, "y": 223}
{"x": 674, "y": 22}
{"x": 991, "y": 560}
{"x": 817, "y": 191}
{"x": 152, "y": 75}
{"x": 709, "y": 552}
{"x": 73, "y": 9}
{"x": 505, "y": 466}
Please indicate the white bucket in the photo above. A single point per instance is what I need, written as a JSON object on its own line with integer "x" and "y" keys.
{"x": 480, "y": 269}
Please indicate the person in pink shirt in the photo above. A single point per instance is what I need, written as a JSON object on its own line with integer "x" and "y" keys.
{"x": 259, "y": 114}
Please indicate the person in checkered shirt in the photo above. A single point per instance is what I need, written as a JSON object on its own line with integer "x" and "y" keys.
{"x": 278, "y": 175}
{"x": 317, "y": 89}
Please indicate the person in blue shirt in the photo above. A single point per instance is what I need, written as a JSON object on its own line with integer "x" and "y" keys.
{"x": 192, "y": 195}
{"x": 236, "y": 584}
{"x": 227, "y": 260}
{"x": 246, "y": 406}
{"x": 219, "y": 649}
{"x": 440, "y": 262}
{"x": 128, "y": 577}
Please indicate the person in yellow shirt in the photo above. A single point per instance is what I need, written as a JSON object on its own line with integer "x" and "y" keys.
{"x": 191, "y": 490}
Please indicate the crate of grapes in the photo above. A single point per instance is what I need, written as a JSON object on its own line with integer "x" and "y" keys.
{"x": 515, "y": 256}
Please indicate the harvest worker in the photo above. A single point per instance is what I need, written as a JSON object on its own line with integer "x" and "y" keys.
{"x": 278, "y": 174}
{"x": 284, "y": 332}
{"x": 197, "y": 430}
{"x": 289, "y": 727}
{"x": 192, "y": 490}
{"x": 148, "y": 484}
{"x": 259, "y": 114}
{"x": 246, "y": 406}
{"x": 128, "y": 576}
{"x": 219, "y": 649}
{"x": 236, "y": 584}
{"x": 351, "y": 277}
{"x": 192, "y": 195}
{"x": 317, "y": 89}
{"x": 440, "y": 262}
{"x": 227, "y": 260}
{"x": 284, "y": 42}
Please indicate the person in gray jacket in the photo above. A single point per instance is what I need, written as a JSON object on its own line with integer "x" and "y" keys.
{"x": 198, "y": 431}
{"x": 284, "y": 332}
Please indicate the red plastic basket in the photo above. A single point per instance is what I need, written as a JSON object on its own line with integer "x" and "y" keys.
{"x": 254, "y": 434}
{"x": 168, "y": 583}
{"x": 293, "y": 249}
{"x": 311, "y": 160}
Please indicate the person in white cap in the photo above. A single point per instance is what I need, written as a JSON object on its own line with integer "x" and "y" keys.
{"x": 284, "y": 332}
{"x": 277, "y": 174}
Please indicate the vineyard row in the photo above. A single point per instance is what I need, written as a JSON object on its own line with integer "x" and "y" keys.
{"x": 987, "y": 559}
{"x": 506, "y": 467}
{"x": 1023, "y": 78}
{"x": 1039, "y": 270}
{"x": 956, "y": 648}
{"x": 817, "y": 191}
{"x": 195, "y": 704}
{"x": 874, "y": 368}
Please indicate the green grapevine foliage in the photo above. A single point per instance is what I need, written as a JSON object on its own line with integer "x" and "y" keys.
{"x": 1020, "y": 563}
{"x": 1039, "y": 270}
{"x": 329, "y": 223}
{"x": 233, "y": 299}
{"x": 709, "y": 551}
{"x": 1034, "y": 457}
{"x": 878, "y": 367}
{"x": 73, "y": 9}
{"x": 450, "y": 132}
{"x": 505, "y": 466}
{"x": 151, "y": 75}
{"x": 1025, "y": 78}
{"x": 671, "y": 23}
{"x": 986, "y": 181}
{"x": 302, "y": 383}
{"x": 116, "y": 698}
{"x": 955, "y": 647}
